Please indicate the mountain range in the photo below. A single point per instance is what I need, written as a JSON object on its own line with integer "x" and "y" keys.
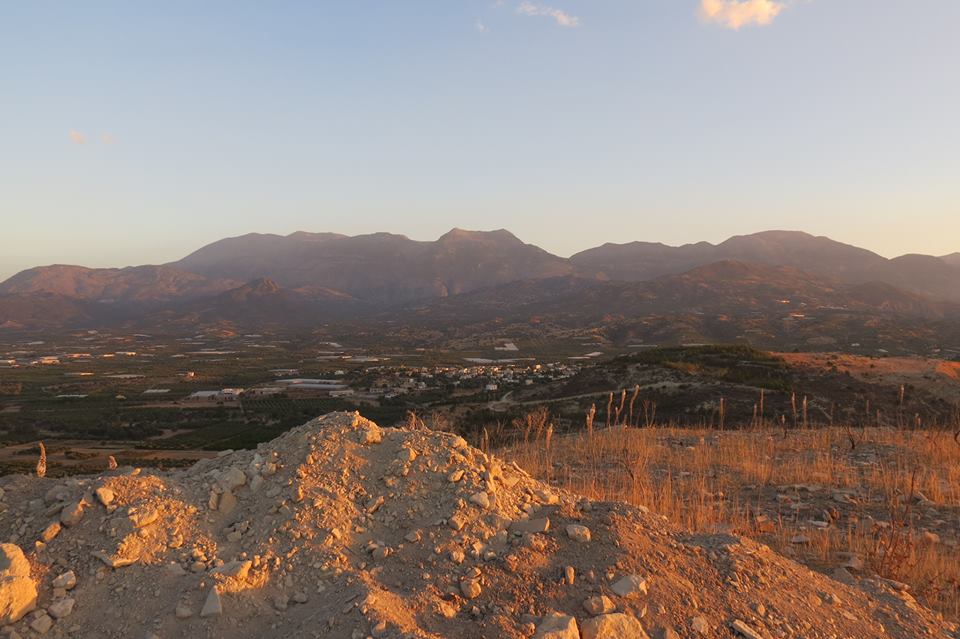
{"x": 306, "y": 278}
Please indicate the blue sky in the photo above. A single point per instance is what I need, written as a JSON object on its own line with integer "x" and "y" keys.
{"x": 136, "y": 132}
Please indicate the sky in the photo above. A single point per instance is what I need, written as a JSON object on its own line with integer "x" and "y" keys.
{"x": 135, "y": 132}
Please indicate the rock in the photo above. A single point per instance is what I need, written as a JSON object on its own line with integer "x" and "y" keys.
{"x": 61, "y": 608}
{"x": 522, "y": 526}
{"x": 227, "y": 503}
{"x": 57, "y": 493}
{"x": 455, "y": 476}
{"x": 112, "y": 560}
{"x": 183, "y": 611}
{"x": 369, "y": 433}
{"x": 742, "y": 629}
{"x": 557, "y": 626}
{"x": 470, "y": 588}
{"x": 231, "y": 479}
{"x": 71, "y": 514}
{"x": 104, "y": 495}
{"x": 701, "y": 625}
{"x": 613, "y": 626}
{"x": 457, "y": 521}
{"x": 630, "y": 585}
{"x": 547, "y": 497}
{"x": 66, "y": 581}
{"x": 854, "y": 562}
{"x": 50, "y": 532}
{"x": 480, "y": 499}
{"x": 599, "y": 605}
{"x": 18, "y": 591}
{"x": 42, "y": 624}
{"x": 407, "y": 454}
{"x": 234, "y": 570}
{"x": 143, "y": 517}
{"x": 800, "y": 540}
{"x": 578, "y": 533}
{"x": 446, "y": 610}
{"x": 212, "y": 606}
{"x": 375, "y": 505}
{"x": 843, "y": 575}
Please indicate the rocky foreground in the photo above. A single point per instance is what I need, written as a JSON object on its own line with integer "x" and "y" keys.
{"x": 342, "y": 529}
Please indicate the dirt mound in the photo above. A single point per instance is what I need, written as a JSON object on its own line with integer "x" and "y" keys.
{"x": 342, "y": 529}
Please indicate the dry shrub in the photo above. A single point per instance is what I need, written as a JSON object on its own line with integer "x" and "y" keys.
{"x": 704, "y": 480}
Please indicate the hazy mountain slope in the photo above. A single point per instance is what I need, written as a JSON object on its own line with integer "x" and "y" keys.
{"x": 931, "y": 276}
{"x": 135, "y": 283}
{"x": 381, "y": 267}
{"x": 727, "y": 287}
{"x": 304, "y": 276}
{"x": 40, "y": 310}
{"x": 953, "y": 259}
{"x": 255, "y": 255}
{"x": 263, "y": 301}
{"x": 643, "y": 261}
{"x": 639, "y": 260}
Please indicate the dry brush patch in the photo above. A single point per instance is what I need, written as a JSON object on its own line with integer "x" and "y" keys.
{"x": 828, "y": 497}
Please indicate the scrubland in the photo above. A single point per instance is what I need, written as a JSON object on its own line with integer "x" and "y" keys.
{"x": 846, "y": 501}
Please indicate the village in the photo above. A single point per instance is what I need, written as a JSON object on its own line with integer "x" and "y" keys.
{"x": 178, "y": 370}
{"x": 194, "y": 391}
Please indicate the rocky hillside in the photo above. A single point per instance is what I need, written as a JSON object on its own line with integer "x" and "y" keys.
{"x": 383, "y": 268}
{"x": 640, "y": 261}
{"x": 342, "y": 529}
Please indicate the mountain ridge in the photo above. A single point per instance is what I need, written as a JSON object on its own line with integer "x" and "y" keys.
{"x": 304, "y": 277}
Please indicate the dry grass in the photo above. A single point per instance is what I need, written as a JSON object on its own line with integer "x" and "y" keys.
{"x": 901, "y": 482}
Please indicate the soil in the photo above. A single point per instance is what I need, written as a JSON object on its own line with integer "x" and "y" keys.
{"x": 339, "y": 528}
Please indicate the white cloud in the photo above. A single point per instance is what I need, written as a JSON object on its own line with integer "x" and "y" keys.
{"x": 107, "y": 138}
{"x": 76, "y": 137}
{"x": 481, "y": 27}
{"x": 562, "y": 18}
{"x": 734, "y": 14}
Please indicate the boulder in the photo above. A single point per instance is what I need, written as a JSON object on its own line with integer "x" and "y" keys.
{"x": 104, "y": 495}
{"x": 212, "y": 606}
{"x": 231, "y": 479}
{"x": 522, "y": 526}
{"x": 630, "y": 585}
{"x": 71, "y": 514}
{"x": 18, "y": 591}
{"x": 599, "y": 605}
{"x": 61, "y": 608}
{"x": 66, "y": 580}
{"x": 578, "y": 533}
{"x": 613, "y": 626}
{"x": 557, "y": 626}
{"x": 143, "y": 517}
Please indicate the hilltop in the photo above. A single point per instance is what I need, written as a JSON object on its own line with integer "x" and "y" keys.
{"x": 340, "y": 528}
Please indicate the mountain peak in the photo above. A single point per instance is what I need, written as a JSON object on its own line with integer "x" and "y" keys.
{"x": 499, "y": 235}
{"x": 952, "y": 259}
